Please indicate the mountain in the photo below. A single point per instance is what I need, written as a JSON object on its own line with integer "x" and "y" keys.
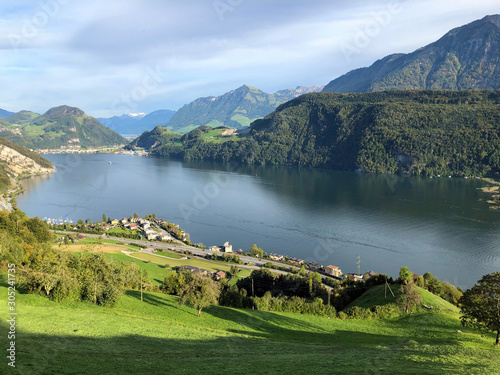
{"x": 60, "y": 127}
{"x": 414, "y": 132}
{"x": 137, "y": 123}
{"x": 16, "y": 160}
{"x": 4, "y": 113}
{"x": 235, "y": 109}
{"x": 465, "y": 58}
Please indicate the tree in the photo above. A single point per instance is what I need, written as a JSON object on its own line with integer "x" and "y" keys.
{"x": 200, "y": 292}
{"x": 80, "y": 222}
{"x": 88, "y": 221}
{"x": 233, "y": 271}
{"x": 256, "y": 251}
{"x": 481, "y": 305}
{"x": 404, "y": 275}
{"x": 104, "y": 218}
{"x": 410, "y": 296}
{"x": 136, "y": 215}
{"x": 302, "y": 271}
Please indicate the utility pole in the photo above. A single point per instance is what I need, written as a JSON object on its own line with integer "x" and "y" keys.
{"x": 141, "y": 284}
{"x": 387, "y": 284}
{"x": 358, "y": 263}
{"x": 253, "y": 296}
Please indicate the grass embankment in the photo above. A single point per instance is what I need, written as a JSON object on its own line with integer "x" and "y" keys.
{"x": 157, "y": 266}
{"x": 158, "y": 337}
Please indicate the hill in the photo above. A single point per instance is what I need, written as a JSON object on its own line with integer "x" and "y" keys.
{"x": 235, "y": 109}
{"x": 17, "y": 161}
{"x": 60, "y": 127}
{"x": 159, "y": 336}
{"x": 152, "y": 139}
{"x": 415, "y": 132}
{"x": 137, "y": 123}
{"x": 465, "y": 58}
{"x": 4, "y": 113}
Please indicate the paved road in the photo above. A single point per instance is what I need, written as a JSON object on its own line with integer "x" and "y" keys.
{"x": 152, "y": 245}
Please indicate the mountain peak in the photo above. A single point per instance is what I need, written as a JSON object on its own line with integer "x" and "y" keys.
{"x": 64, "y": 110}
{"x": 465, "y": 58}
{"x": 495, "y": 19}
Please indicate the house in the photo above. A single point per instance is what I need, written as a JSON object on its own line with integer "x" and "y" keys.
{"x": 115, "y": 222}
{"x": 166, "y": 237}
{"x": 124, "y": 221}
{"x": 316, "y": 267}
{"x": 276, "y": 257}
{"x": 354, "y": 277}
{"x": 220, "y": 275}
{"x": 334, "y": 271}
{"x": 194, "y": 270}
{"x": 226, "y": 248}
{"x": 132, "y": 226}
{"x": 152, "y": 236}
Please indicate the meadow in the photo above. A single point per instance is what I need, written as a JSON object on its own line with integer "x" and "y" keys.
{"x": 157, "y": 336}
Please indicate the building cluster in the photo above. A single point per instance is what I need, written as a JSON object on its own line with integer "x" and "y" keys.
{"x": 150, "y": 229}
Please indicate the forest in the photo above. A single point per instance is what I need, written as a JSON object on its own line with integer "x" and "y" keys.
{"x": 409, "y": 132}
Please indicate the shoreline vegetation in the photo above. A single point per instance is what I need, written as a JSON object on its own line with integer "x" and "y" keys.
{"x": 493, "y": 191}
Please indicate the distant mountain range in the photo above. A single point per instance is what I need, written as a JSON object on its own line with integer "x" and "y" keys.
{"x": 467, "y": 57}
{"x": 420, "y": 132}
{"x": 235, "y": 109}
{"x": 60, "y": 127}
{"x": 137, "y": 123}
{"x": 4, "y": 113}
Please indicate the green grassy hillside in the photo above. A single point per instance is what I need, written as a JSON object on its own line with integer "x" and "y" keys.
{"x": 159, "y": 337}
{"x": 60, "y": 126}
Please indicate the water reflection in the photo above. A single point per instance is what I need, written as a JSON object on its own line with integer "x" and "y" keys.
{"x": 436, "y": 225}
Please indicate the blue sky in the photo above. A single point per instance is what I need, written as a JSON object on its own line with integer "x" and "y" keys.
{"x": 113, "y": 57}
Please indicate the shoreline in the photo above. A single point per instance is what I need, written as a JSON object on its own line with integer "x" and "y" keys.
{"x": 493, "y": 191}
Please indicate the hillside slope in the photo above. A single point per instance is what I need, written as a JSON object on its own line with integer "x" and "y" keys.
{"x": 16, "y": 160}
{"x": 465, "y": 58}
{"x": 159, "y": 336}
{"x": 415, "y": 132}
{"x": 60, "y": 127}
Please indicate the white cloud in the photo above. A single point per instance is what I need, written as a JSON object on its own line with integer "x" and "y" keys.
{"x": 90, "y": 53}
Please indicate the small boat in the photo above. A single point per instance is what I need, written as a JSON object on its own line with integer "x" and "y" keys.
{"x": 109, "y": 162}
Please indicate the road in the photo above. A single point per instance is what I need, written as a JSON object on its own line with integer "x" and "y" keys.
{"x": 152, "y": 245}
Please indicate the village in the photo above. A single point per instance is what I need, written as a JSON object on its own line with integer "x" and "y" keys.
{"x": 157, "y": 231}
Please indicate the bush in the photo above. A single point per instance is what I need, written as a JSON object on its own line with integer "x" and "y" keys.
{"x": 357, "y": 312}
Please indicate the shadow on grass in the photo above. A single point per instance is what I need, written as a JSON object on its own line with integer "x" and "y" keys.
{"x": 137, "y": 354}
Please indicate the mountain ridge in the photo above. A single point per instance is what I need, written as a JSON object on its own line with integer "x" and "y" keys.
{"x": 466, "y": 57}
{"x": 137, "y": 123}
{"x": 62, "y": 127}
{"x": 235, "y": 109}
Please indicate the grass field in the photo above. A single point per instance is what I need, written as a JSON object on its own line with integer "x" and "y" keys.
{"x": 170, "y": 254}
{"x": 206, "y": 265}
{"x": 159, "y": 337}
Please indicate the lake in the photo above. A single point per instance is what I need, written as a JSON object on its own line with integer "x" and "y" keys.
{"x": 440, "y": 225}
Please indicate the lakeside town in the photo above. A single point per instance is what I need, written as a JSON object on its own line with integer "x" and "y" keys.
{"x": 155, "y": 232}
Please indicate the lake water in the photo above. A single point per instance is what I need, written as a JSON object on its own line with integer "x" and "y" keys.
{"x": 438, "y": 225}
